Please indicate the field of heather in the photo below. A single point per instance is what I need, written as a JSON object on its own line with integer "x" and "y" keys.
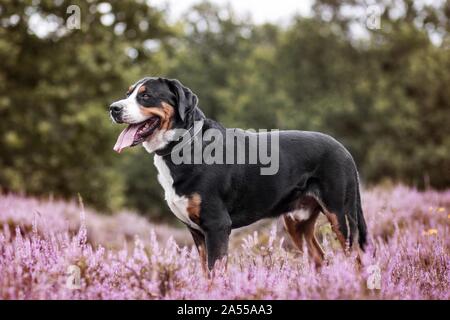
{"x": 45, "y": 243}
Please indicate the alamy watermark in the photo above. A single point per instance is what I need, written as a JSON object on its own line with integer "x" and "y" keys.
{"x": 73, "y": 21}
{"x": 73, "y": 280}
{"x": 232, "y": 146}
{"x": 374, "y": 280}
{"x": 373, "y": 17}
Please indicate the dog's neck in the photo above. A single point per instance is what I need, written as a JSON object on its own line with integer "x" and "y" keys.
{"x": 197, "y": 119}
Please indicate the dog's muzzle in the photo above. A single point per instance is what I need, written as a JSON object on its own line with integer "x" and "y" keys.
{"x": 115, "y": 109}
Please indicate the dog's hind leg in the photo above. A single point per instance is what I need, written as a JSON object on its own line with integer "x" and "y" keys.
{"x": 342, "y": 210}
{"x": 333, "y": 206}
{"x": 303, "y": 230}
{"x": 338, "y": 226}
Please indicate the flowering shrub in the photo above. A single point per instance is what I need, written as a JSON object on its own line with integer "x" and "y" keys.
{"x": 57, "y": 250}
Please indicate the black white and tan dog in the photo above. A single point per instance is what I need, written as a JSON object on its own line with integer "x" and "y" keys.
{"x": 316, "y": 175}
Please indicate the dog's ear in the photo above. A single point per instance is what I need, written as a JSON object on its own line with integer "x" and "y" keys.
{"x": 185, "y": 98}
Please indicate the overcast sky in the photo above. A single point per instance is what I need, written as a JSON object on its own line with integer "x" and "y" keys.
{"x": 261, "y": 10}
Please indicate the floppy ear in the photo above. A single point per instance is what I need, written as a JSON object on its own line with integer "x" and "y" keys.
{"x": 186, "y": 99}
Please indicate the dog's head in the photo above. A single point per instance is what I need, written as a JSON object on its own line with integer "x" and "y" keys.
{"x": 153, "y": 108}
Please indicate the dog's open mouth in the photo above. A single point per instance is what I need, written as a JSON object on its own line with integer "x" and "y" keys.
{"x": 136, "y": 133}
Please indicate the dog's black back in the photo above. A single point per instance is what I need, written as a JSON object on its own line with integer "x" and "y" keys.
{"x": 311, "y": 164}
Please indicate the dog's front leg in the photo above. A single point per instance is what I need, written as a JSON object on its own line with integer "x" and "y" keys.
{"x": 216, "y": 236}
{"x": 216, "y": 246}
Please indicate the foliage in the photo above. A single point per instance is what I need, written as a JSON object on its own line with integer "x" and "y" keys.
{"x": 56, "y": 136}
{"x": 384, "y": 95}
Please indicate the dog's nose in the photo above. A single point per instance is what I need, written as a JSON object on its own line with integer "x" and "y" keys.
{"x": 115, "y": 108}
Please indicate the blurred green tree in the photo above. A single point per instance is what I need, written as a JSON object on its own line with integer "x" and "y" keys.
{"x": 397, "y": 91}
{"x": 55, "y": 88}
{"x": 383, "y": 94}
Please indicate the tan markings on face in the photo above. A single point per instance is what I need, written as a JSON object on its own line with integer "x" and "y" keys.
{"x": 130, "y": 88}
{"x": 141, "y": 89}
{"x": 165, "y": 113}
{"x": 193, "y": 208}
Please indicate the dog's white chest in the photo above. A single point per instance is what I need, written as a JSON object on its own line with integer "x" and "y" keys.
{"x": 177, "y": 204}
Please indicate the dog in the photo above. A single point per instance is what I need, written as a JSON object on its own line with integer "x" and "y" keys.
{"x": 316, "y": 175}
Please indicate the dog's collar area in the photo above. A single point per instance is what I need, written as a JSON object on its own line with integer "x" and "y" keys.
{"x": 193, "y": 131}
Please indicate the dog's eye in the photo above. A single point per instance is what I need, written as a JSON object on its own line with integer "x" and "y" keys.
{"x": 145, "y": 96}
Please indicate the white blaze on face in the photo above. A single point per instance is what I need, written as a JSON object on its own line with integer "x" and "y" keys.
{"x": 131, "y": 109}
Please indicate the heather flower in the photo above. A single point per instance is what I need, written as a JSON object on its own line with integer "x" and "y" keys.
{"x": 46, "y": 246}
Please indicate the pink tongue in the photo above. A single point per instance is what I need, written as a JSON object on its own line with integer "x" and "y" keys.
{"x": 126, "y": 137}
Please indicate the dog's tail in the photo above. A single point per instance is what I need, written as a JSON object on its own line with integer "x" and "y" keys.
{"x": 362, "y": 227}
